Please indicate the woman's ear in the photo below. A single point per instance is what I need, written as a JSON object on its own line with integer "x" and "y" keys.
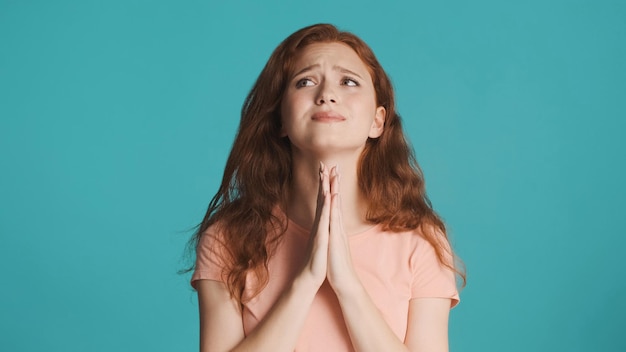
{"x": 379, "y": 122}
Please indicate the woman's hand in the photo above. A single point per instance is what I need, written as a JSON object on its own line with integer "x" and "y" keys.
{"x": 329, "y": 252}
{"x": 316, "y": 264}
{"x": 340, "y": 272}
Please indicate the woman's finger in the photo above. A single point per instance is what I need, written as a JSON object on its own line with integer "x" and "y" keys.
{"x": 335, "y": 209}
{"x": 320, "y": 194}
{"x": 324, "y": 212}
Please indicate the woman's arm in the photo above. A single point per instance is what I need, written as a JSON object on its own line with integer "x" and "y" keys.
{"x": 367, "y": 328}
{"x": 221, "y": 327}
{"x": 427, "y": 328}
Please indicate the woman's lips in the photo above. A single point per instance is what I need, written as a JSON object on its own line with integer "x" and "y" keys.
{"x": 327, "y": 117}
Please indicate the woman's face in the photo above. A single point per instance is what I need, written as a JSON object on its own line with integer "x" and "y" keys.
{"x": 329, "y": 104}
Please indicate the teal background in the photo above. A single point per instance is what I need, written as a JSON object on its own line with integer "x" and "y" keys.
{"x": 116, "y": 118}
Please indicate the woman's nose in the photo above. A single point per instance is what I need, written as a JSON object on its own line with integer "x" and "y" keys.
{"x": 326, "y": 95}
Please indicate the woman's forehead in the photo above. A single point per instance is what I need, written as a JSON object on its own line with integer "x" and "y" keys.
{"x": 336, "y": 55}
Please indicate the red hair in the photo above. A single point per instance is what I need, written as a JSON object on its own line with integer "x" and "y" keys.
{"x": 258, "y": 170}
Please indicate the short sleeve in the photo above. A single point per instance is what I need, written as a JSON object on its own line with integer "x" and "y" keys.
{"x": 210, "y": 258}
{"x": 431, "y": 279}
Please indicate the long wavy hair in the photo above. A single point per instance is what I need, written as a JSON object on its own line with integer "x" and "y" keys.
{"x": 258, "y": 171}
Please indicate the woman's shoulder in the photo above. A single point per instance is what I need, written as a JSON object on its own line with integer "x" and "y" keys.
{"x": 424, "y": 232}
{"x": 212, "y": 239}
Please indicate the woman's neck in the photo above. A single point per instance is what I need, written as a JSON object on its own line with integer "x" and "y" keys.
{"x": 303, "y": 192}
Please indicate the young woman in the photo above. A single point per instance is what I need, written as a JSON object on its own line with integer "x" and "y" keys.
{"x": 321, "y": 237}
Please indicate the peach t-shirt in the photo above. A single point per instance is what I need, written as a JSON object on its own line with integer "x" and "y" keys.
{"x": 394, "y": 267}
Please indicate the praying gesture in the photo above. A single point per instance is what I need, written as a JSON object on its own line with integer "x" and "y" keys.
{"x": 330, "y": 253}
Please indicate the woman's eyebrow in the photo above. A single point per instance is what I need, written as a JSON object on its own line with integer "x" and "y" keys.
{"x": 306, "y": 69}
{"x": 336, "y": 68}
{"x": 345, "y": 70}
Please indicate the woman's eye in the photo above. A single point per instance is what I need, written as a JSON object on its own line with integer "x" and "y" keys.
{"x": 350, "y": 82}
{"x": 304, "y": 82}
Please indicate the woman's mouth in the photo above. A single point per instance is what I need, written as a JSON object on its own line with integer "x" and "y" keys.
{"x": 327, "y": 116}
